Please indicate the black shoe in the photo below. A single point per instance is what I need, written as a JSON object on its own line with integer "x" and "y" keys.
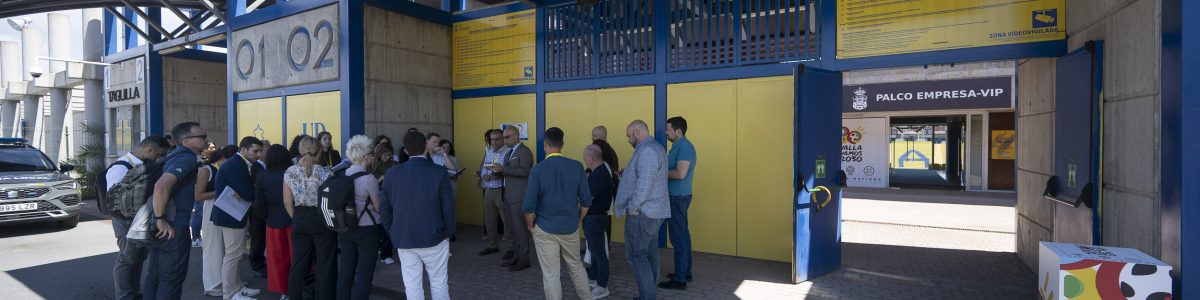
{"x": 488, "y": 251}
{"x": 453, "y": 238}
{"x": 508, "y": 262}
{"x": 258, "y": 274}
{"x": 519, "y": 265}
{"x": 509, "y": 255}
{"x": 672, "y": 277}
{"x": 673, "y": 285}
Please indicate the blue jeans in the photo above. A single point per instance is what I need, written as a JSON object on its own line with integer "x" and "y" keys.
{"x": 197, "y": 215}
{"x": 680, "y": 236}
{"x": 167, "y": 266}
{"x": 594, "y": 227}
{"x": 641, "y": 249}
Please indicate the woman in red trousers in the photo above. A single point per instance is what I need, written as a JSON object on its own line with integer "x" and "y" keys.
{"x": 269, "y": 184}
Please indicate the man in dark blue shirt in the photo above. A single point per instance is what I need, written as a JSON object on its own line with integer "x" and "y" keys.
{"x": 556, "y": 199}
{"x": 596, "y": 223}
{"x": 168, "y": 262}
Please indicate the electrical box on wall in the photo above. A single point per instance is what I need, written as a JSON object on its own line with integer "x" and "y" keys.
{"x": 1078, "y": 120}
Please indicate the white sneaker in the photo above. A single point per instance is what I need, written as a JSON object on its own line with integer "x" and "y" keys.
{"x": 213, "y": 293}
{"x": 284, "y": 297}
{"x": 249, "y": 292}
{"x": 239, "y": 296}
{"x": 196, "y": 243}
{"x": 592, "y": 284}
{"x": 599, "y": 292}
{"x": 389, "y": 261}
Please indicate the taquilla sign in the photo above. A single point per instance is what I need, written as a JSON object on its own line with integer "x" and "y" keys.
{"x": 977, "y": 93}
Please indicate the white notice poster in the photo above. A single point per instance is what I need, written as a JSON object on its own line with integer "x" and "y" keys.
{"x": 864, "y": 152}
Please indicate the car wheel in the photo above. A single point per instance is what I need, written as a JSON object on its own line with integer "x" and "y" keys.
{"x": 69, "y": 223}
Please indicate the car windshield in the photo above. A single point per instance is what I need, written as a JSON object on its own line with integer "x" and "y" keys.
{"x": 15, "y": 160}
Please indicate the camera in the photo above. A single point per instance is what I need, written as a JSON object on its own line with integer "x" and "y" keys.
{"x": 35, "y": 71}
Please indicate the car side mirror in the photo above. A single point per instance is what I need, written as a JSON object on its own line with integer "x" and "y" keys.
{"x": 66, "y": 168}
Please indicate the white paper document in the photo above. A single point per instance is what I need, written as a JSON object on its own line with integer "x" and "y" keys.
{"x": 232, "y": 204}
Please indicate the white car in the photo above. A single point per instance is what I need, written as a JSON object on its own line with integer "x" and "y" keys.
{"x": 33, "y": 189}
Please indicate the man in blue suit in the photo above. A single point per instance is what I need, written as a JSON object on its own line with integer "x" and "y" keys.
{"x": 235, "y": 174}
{"x": 418, "y": 213}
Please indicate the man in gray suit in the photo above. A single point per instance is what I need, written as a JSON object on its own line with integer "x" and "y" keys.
{"x": 515, "y": 171}
{"x": 642, "y": 196}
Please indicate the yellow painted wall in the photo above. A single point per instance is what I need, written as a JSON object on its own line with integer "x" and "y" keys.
{"x": 577, "y": 112}
{"x": 323, "y": 108}
{"x": 711, "y": 111}
{"x": 764, "y": 167}
{"x": 261, "y": 118}
{"x": 471, "y": 118}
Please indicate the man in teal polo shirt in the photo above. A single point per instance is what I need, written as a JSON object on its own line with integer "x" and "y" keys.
{"x": 681, "y": 164}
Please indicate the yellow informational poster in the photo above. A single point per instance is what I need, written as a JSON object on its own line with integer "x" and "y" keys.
{"x": 261, "y": 118}
{"x": 495, "y": 51}
{"x": 310, "y": 114}
{"x": 1004, "y": 144}
{"x": 884, "y": 27}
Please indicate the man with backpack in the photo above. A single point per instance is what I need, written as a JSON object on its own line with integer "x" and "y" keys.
{"x": 129, "y": 172}
{"x": 174, "y": 189}
{"x": 234, "y": 174}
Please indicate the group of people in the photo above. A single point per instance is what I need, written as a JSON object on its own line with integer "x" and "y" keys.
{"x": 550, "y": 204}
{"x": 405, "y": 202}
{"x": 300, "y": 257}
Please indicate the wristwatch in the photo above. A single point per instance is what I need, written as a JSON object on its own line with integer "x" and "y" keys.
{"x": 160, "y": 217}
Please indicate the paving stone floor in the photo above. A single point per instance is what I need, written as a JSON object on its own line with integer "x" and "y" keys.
{"x": 896, "y": 245}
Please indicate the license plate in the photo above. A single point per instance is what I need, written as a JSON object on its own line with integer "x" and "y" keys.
{"x": 18, "y": 207}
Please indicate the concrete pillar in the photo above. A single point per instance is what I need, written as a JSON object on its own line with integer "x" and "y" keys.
{"x": 60, "y": 98}
{"x": 10, "y": 70}
{"x": 9, "y": 110}
{"x": 32, "y": 46}
{"x": 93, "y": 90}
{"x": 59, "y": 25}
{"x": 28, "y": 123}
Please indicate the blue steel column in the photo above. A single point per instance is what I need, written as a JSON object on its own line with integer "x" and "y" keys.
{"x": 154, "y": 93}
{"x": 1180, "y": 173}
{"x": 662, "y": 40}
{"x": 351, "y": 54}
{"x": 131, "y": 38}
{"x": 539, "y": 62}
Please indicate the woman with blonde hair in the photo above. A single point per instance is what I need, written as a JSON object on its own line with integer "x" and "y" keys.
{"x": 309, "y": 235}
{"x": 359, "y": 245}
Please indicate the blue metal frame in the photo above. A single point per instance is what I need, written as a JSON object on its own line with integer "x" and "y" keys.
{"x": 1179, "y": 173}
{"x": 412, "y": 9}
{"x": 196, "y": 36}
{"x": 154, "y": 92}
{"x": 1098, "y": 141}
{"x": 352, "y": 71}
{"x": 493, "y": 11}
{"x": 274, "y": 12}
{"x": 131, "y": 38}
{"x": 110, "y": 39}
{"x": 202, "y": 55}
{"x": 302, "y": 89}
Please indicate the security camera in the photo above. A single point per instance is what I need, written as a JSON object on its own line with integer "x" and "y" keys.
{"x": 35, "y": 71}
{"x": 19, "y": 24}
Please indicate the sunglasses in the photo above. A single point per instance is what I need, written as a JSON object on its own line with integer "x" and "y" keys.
{"x": 202, "y": 136}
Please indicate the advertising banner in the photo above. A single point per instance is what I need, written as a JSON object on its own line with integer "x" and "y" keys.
{"x": 310, "y": 114}
{"x": 864, "y": 152}
{"x": 884, "y": 27}
{"x": 976, "y": 93}
{"x": 261, "y": 118}
{"x": 495, "y": 51}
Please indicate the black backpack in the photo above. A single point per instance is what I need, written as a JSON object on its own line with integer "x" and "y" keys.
{"x": 336, "y": 202}
{"x": 100, "y": 185}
